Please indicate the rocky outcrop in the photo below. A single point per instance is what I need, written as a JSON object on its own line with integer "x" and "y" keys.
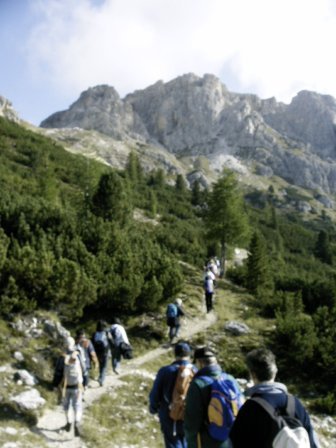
{"x": 7, "y": 110}
{"x": 195, "y": 117}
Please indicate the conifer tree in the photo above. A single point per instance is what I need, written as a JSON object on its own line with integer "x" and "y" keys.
{"x": 196, "y": 194}
{"x": 225, "y": 218}
{"x": 322, "y": 248}
{"x": 112, "y": 199}
{"x": 258, "y": 278}
{"x": 180, "y": 184}
{"x": 133, "y": 168}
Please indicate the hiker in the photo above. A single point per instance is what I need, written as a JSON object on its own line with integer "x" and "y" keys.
{"x": 88, "y": 354}
{"x": 209, "y": 288}
{"x": 71, "y": 384}
{"x": 118, "y": 340}
{"x": 169, "y": 404}
{"x": 100, "y": 340}
{"x": 201, "y": 421}
{"x": 173, "y": 314}
{"x": 253, "y": 425}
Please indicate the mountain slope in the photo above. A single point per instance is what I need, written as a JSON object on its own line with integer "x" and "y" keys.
{"x": 198, "y": 117}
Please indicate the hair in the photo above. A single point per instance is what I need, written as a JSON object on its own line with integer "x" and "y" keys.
{"x": 101, "y": 325}
{"x": 80, "y": 333}
{"x": 116, "y": 320}
{"x": 178, "y": 302}
{"x": 261, "y": 362}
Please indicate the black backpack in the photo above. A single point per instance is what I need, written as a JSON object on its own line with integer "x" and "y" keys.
{"x": 100, "y": 342}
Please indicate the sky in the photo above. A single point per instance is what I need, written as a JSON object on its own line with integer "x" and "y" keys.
{"x": 52, "y": 50}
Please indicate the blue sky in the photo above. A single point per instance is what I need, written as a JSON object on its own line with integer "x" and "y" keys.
{"x": 52, "y": 50}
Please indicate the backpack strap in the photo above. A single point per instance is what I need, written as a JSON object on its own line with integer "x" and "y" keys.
{"x": 265, "y": 405}
{"x": 290, "y": 408}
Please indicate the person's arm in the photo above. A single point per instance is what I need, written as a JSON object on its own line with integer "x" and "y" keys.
{"x": 155, "y": 394}
{"x": 303, "y": 415}
{"x": 93, "y": 355}
{"x": 194, "y": 416}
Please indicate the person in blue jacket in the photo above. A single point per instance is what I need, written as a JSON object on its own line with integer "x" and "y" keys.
{"x": 161, "y": 395}
{"x": 253, "y": 425}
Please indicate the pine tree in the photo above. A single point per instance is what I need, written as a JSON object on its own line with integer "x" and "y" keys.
{"x": 112, "y": 199}
{"x": 258, "y": 276}
{"x": 225, "y": 218}
{"x": 322, "y": 248}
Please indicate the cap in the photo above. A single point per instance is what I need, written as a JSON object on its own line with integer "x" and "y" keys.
{"x": 178, "y": 302}
{"x": 204, "y": 352}
{"x": 182, "y": 349}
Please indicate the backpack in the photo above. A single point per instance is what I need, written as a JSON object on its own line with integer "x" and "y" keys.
{"x": 290, "y": 432}
{"x": 73, "y": 373}
{"x": 225, "y": 402}
{"x": 100, "y": 343}
{"x": 126, "y": 350}
{"x": 208, "y": 283}
{"x": 171, "y": 310}
{"x": 185, "y": 374}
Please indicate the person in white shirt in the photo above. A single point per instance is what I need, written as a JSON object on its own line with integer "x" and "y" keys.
{"x": 209, "y": 288}
{"x": 118, "y": 337}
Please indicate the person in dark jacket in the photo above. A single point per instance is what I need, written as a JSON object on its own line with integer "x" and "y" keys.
{"x": 253, "y": 425}
{"x": 100, "y": 340}
{"x": 161, "y": 395}
{"x": 198, "y": 398}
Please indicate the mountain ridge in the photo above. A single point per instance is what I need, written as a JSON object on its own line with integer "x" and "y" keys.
{"x": 192, "y": 117}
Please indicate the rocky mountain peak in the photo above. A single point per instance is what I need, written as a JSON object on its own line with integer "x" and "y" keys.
{"x": 198, "y": 116}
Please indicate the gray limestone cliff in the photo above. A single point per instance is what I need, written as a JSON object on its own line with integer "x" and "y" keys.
{"x": 193, "y": 116}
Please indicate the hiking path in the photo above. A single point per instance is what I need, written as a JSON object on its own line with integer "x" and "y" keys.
{"x": 50, "y": 424}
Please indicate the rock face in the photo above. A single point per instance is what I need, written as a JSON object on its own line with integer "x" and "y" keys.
{"x": 192, "y": 116}
{"x": 7, "y": 110}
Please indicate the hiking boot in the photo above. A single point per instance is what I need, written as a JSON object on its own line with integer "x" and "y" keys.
{"x": 116, "y": 371}
{"x": 67, "y": 427}
{"x": 77, "y": 433}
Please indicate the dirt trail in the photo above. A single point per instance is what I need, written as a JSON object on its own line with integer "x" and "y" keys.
{"x": 50, "y": 423}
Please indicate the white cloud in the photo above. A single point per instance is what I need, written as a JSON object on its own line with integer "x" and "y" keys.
{"x": 272, "y": 47}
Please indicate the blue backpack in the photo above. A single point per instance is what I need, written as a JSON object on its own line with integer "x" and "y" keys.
{"x": 225, "y": 402}
{"x": 171, "y": 310}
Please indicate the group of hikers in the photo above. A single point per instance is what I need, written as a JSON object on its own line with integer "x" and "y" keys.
{"x": 199, "y": 404}
{"x": 175, "y": 310}
{"x": 74, "y": 365}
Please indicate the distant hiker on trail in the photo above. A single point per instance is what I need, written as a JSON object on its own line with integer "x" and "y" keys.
{"x": 88, "y": 354}
{"x": 213, "y": 266}
{"x": 209, "y": 288}
{"x": 173, "y": 313}
{"x": 254, "y": 425}
{"x": 71, "y": 384}
{"x": 119, "y": 342}
{"x": 100, "y": 340}
{"x": 212, "y": 395}
{"x": 167, "y": 397}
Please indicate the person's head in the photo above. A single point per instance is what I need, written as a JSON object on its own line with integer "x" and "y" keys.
{"x": 80, "y": 336}
{"x": 182, "y": 350}
{"x": 116, "y": 320}
{"x": 178, "y": 302}
{"x": 101, "y": 325}
{"x": 204, "y": 356}
{"x": 262, "y": 365}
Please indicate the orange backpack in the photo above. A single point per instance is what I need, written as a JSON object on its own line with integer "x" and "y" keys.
{"x": 184, "y": 376}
